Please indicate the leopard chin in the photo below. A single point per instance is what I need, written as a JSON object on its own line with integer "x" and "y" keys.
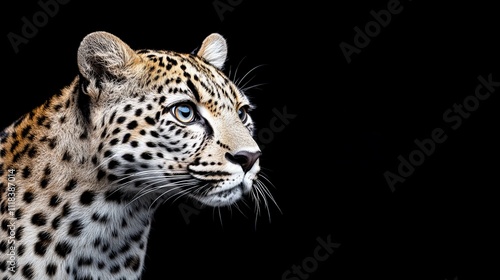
{"x": 225, "y": 197}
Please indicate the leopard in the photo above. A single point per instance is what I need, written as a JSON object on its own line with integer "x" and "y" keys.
{"x": 82, "y": 175}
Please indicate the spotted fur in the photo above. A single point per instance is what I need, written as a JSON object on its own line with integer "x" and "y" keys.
{"x": 82, "y": 174}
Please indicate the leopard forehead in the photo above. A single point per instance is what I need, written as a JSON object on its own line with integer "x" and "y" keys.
{"x": 176, "y": 74}
{"x": 112, "y": 67}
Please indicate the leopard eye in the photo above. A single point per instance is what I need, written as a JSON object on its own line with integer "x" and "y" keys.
{"x": 184, "y": 112}
{"x": 243, "y": 113}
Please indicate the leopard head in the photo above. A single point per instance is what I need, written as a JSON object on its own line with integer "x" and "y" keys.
{"x": 168, "y": 124}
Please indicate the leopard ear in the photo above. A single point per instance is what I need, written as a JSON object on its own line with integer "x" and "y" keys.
{"x": 102, "y": 55}
{"x": 214, "y": 50}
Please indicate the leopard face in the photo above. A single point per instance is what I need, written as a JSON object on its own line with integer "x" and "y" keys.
{"x": 169, "y": 124}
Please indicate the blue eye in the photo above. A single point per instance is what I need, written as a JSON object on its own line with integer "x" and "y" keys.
{"x": 184, "y": 112}
{"x": 243, "y": 113}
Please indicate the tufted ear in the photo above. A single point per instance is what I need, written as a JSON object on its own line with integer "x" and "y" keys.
{"x": 214, "y": 50}
{"x": 102, "y": 55}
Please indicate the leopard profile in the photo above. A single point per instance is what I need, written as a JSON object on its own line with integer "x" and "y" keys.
{"x": 82, "y": 174}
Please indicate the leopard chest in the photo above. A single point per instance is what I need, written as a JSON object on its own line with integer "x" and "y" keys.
{"x": 98, "y": 236}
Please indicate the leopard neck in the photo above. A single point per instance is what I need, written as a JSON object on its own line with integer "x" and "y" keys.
{"x": 77, "y": 224}
{"x": 54, "y": 134}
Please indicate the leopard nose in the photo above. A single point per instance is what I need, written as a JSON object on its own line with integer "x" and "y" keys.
{"x": 244, "y": 158}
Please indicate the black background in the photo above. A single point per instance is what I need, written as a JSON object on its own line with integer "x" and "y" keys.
{"x": 350, "y": 123}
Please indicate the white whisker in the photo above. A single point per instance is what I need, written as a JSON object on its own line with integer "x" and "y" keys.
{"x": 179, "y": 194}
{"x": 268, "y": 193}
{"x": 220, "y": 217}
{"x": 160, "y": 177}
{"x": 239, "y": 210}
{"x": 264, "y": 176}
{"x": 244, "y": 89}
{"x": 102, "y": 163}
{"x": 186, "y": 191}
{"x": 235, "y": 80}
{"x": 244, "y": 76}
